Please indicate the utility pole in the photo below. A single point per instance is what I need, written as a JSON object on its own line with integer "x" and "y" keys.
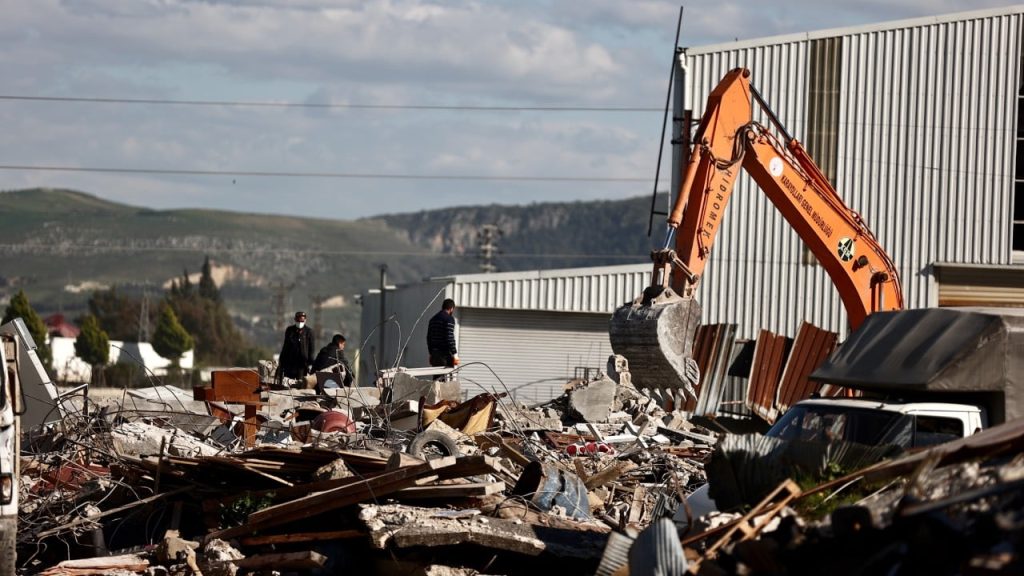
{"x": 487, "y": 237}
{"x": 318, "y": 309}
{"x": 383, "y": 312}
{"x": 144, "y": 317}
{"x": 277, "y": 303}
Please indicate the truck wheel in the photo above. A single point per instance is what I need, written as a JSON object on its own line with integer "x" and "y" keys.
{"x": 8, "y": 540}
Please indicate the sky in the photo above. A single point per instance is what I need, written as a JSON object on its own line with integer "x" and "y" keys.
{"x": 344, "y": 109}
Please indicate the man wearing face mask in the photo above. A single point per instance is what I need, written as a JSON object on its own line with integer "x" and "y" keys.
{"x": 296, "y": 359}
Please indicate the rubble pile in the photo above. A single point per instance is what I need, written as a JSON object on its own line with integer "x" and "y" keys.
{"x": 409, "y": 478}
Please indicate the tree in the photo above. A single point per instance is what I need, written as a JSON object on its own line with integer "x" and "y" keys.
{"x": 170, "y": 340}
{"x": 117, "y": 314}
{"x": 207, "y": 287}
{"x": 93, "y": 346}
{"x": 20, "y": 308}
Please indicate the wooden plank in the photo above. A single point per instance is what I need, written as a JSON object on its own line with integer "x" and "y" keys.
{"x": 609, "y": 474}
{"x": 751, "y": 523}
{"x": 99, "y": 565}
{"x": 636, "y": 507}
{"x": 402, "y": 460}
{"x": 320, "y": 502}
{"x": 474, "y": 465}
{"x": 328, "y": 500}
{"x": 581, "y": 470}
{"x": 474, "y": 490}
{"x": 308, "y": 560}
{"x": 303, "y": 537}
{"x": 266, "y": 475}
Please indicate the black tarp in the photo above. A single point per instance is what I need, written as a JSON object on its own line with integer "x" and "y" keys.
{"x": 945, "y": 350}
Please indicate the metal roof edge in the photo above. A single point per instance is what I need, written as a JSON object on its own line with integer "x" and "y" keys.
{"x": 542, "y": 273}
{"x": 858, "y": 29}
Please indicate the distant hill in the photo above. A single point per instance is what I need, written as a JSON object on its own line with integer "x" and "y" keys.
{"x": 60, "y": 245}
{"x": 548, "y": 235}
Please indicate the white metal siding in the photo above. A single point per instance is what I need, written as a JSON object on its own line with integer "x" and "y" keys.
{"x": 596, "y": 289}
{"x": 925, "y": 154}
{"x": 534, "y": 353}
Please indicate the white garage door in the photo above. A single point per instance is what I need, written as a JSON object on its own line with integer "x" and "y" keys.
{"x": 533, "y": 353}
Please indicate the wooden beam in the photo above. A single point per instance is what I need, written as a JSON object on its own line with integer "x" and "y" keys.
{"x": 303, "y": 537}
{"x": 475, "y": 490}
{"x": 307, "y": 560}
{"x": 318, "y": 503}
{"x": 609, "y": 474}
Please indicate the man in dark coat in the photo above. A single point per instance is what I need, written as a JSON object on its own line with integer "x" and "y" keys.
{"x": 441, "y": 337}
{"x": 332, "y": 359}
{"x": 296, "y": 359}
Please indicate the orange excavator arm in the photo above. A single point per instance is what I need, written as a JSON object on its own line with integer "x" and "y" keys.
{"x": 727, "y": 140}
{"x": 656, "y": 332}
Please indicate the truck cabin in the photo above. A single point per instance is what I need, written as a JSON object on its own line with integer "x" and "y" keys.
{"x": 875, "y": 423}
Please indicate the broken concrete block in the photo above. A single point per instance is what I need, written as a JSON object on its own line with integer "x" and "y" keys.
{"x": 218, "y": 558}
{"x": 676, "y": 421}
{"x": 333, "y": 470}
{"x": 593, "y": 402}
{"x": 141, "y": 439}
{"x": 538, "y": 419}
{"x": 618, "y": 370}
{"x": 175, "y": 550}
{"x": 406, "y": 387}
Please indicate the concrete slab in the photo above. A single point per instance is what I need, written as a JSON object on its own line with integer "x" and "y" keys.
{"x": 593, "y": 402}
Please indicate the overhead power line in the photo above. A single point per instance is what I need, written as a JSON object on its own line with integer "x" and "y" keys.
{"x": 354, "y": 106}
{"x": 349, "y": 175}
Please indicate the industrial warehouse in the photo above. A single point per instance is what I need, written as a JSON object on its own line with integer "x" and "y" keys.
{"x": 818, "y": 367}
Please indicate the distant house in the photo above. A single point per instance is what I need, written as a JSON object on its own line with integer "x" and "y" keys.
{"x": 57, "y": 325}
{"x": 68, "y": 367}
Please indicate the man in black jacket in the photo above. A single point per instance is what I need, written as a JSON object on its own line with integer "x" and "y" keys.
{"x": 296, "y": 358}
{"x": 332, "y": 359}
{"x": 441, "y": 337}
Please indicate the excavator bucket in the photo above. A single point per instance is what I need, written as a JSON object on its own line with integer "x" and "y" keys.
{"x": 656, "y": 333}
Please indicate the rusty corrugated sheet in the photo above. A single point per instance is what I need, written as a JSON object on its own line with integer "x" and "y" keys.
{"x": 713, "y": 353}
{"x": 703, "y": 350}
{"x": 770, "y": 353}
{"x": 811, "y": 347}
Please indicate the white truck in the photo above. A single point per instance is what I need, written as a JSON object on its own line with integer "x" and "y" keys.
{"x": 877, "y": 422}
{"x": 27, "y": 399}
{"x": 928, "y": 376}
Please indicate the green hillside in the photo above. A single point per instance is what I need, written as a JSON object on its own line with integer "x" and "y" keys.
{"x": 60, "y": 245}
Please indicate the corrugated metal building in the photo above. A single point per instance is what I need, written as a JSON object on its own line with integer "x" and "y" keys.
{"x": 530, "y": 331}
{"x": 919, "y": 124}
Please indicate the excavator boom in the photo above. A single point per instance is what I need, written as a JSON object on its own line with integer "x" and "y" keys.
{"x": 656, "y": 332}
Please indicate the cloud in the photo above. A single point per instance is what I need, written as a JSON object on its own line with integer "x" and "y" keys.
{"x": 571, "y": 53}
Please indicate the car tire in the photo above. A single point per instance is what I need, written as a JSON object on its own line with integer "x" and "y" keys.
{"x": 431, "y": 444}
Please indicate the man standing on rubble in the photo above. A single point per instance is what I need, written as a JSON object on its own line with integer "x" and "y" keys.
{"x": 332, "y": 359}
{"x": 441, "y": 337}
{"x": 296, "y": 359}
